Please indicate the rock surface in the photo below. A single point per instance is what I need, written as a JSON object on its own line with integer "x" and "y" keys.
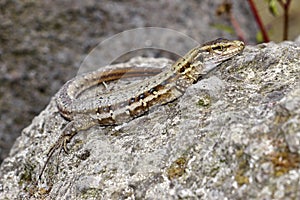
{"x": 233, "y": 135}
{"x": 42, "y": 44}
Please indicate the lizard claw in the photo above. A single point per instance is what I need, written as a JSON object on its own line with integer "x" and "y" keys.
{"x": 66, "y": 140}
{"x": 60, "y": 144}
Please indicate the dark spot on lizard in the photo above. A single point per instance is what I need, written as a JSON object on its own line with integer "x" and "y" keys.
{"x": 131, "y": 100}
{"x": 142, "y": 96}
{"x": 152, "y": 91}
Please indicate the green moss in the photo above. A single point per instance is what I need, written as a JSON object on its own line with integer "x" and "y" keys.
{"x": 26, "y": 176}
{"x": 177, "y": 168}
{"x": 243, "y": 167}
{"x": 284, "y": 162}
{"x": 204, "y": 101}
{"x": 91, "y": 193}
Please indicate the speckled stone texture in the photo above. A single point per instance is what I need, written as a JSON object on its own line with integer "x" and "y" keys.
{"x": 233, "y": 135}
{"x": 42, "y": 44}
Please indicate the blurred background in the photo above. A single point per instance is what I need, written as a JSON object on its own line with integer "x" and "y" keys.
{"x": 42, "y": 43}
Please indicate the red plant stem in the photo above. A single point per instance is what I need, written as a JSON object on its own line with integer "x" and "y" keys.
{"x": 258, "y": 21}
{"x": 237, "y": 27}
{"x": 286, "y": 18}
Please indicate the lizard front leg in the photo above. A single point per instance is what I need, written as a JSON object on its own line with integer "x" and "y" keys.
{"x": 81, "y": 123}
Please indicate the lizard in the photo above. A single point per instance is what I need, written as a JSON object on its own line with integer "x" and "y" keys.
{"x": 133, "y": 101}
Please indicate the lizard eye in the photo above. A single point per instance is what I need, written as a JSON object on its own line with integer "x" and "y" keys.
{"x": 217, "y": 48}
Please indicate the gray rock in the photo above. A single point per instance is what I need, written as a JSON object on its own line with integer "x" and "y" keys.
{"x": 43, "y": 43}
{"x": 233, "y": 135}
